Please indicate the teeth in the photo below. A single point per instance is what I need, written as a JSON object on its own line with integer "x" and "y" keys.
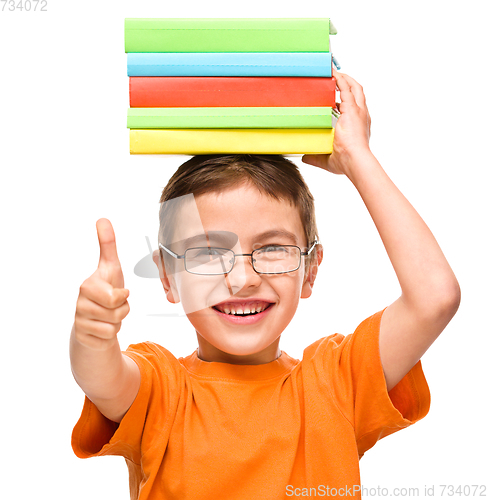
{"x": 239, "y": 310}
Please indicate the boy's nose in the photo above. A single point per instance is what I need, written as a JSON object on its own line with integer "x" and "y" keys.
{"x": 243, "y": 274}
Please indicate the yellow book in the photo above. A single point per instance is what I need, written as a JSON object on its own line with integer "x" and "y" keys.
{"x": 246, "y": 141}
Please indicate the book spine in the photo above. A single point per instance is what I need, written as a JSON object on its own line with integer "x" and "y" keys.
{"x": 241, "y": 117}
{"x": 153, "y": 92}
{"x": 314, "y": 64}
{"x": 236, "y": 141}
{"x": 227, "y": 35}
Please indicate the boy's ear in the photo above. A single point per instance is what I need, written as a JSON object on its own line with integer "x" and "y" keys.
{"x": 312, "y": 274}
{"x": 169, "y": 285}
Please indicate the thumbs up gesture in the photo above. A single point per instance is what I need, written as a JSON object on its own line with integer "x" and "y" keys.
{"x": 102, "y": 302}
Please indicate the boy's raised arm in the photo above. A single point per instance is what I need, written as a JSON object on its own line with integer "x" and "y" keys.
{"x": 430, "y": 291}
{"x": 109, "y": 379}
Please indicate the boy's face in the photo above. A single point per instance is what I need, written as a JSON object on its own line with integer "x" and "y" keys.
{"x": 247, "y": 213}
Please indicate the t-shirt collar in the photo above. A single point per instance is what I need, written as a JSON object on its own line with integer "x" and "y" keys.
{"x": 215, "y": 369}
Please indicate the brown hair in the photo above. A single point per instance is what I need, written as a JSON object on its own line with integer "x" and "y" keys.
{"x": 272, "y": 175}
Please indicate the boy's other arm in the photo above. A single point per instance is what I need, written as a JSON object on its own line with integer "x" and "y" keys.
{"x": 109, "y": 378}
{"x": 430, "y": 291}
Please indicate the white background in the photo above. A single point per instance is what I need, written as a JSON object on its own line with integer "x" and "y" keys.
{"x": 65, "y": 163}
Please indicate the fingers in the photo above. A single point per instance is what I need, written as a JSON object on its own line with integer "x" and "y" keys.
{"x": 91, "y": 310}
{"x": 350, "y": 90}
{"x": 102, "y": 293}
{"x": 100, "y": 310}
{"x": 320, "y": 161}
{"x": 347, "y": 97}
{"x": 98, "y": 335}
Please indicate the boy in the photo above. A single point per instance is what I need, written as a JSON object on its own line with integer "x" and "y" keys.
{"x": 238, "y": 418}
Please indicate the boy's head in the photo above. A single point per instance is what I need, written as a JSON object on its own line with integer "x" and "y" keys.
{"x": 228, "y": 202}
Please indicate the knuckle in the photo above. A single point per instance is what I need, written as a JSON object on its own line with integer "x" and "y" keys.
{"x": 85, "y": 308}
{"x": 85, "y": 286}
{"x": 107, "y": 331}
{"x": 79, "y": 307}
{"x": 78, "y": 324}
{"x": 95, "y": 334}
{"x": 111, "y": 300}
{"x": 118, "y": 315}
{"x": 114, "y": 330}
{"x": 122, "y": 311}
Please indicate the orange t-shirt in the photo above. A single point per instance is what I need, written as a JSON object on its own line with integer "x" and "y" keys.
{"x": 202, "y": 430}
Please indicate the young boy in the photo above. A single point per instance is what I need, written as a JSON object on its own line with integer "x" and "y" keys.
{"x": 239, "y": 418}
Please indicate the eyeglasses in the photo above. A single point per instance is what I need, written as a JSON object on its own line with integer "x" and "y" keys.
{"x": 270, "y": 259}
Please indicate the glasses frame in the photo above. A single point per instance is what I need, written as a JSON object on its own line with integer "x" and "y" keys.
{"x": 183, "y": 256}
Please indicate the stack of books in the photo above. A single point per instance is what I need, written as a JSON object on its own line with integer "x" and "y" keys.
{"x": 204, "y": 86}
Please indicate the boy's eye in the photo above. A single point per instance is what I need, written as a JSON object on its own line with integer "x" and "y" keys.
{"x": 271, "y": 248}
{"x": 209, "y": 251}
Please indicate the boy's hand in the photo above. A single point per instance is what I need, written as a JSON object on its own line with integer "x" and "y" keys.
{"x": 102, "y": 303}
{"x": 352, "y": 131}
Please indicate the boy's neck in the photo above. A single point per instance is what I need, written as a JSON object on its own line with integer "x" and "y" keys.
{"x": 210, "y": 353}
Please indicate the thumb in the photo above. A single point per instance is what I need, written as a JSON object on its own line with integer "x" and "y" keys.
{"x": 109, "y": 264}
{"x": 316, "y": 160}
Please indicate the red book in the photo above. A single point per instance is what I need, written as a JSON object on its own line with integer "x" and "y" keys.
{"x": 230, "y": 91}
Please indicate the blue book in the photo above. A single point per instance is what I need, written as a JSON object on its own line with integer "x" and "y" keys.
{"x": 230, "y": 64}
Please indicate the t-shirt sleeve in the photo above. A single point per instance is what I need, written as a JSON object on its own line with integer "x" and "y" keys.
{"x": 96, "y": 435}
{"x": 352, "y": 370}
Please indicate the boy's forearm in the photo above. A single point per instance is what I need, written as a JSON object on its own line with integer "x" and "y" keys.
{"x": 426, "y": 279}
{"x": 100, "y": 373}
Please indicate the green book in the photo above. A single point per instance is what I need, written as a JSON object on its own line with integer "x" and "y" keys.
{"x": 228, "y": 35}
{"x": 226, "y": 117}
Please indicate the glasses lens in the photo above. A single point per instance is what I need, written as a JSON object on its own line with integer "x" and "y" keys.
{"x": 277, "y": 259}
{"x": 209, "y": 260}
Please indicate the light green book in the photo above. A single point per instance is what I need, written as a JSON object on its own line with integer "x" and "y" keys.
{"x": 228, "y": 35}
{"x": 228, "y": 117}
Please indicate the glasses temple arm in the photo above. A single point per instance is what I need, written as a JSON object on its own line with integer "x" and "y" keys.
{"x": 175, "y": 255}
{"x": 316, "y": 242}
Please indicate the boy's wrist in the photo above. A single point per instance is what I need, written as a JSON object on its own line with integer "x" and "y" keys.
{"x": 356, "y": 160}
